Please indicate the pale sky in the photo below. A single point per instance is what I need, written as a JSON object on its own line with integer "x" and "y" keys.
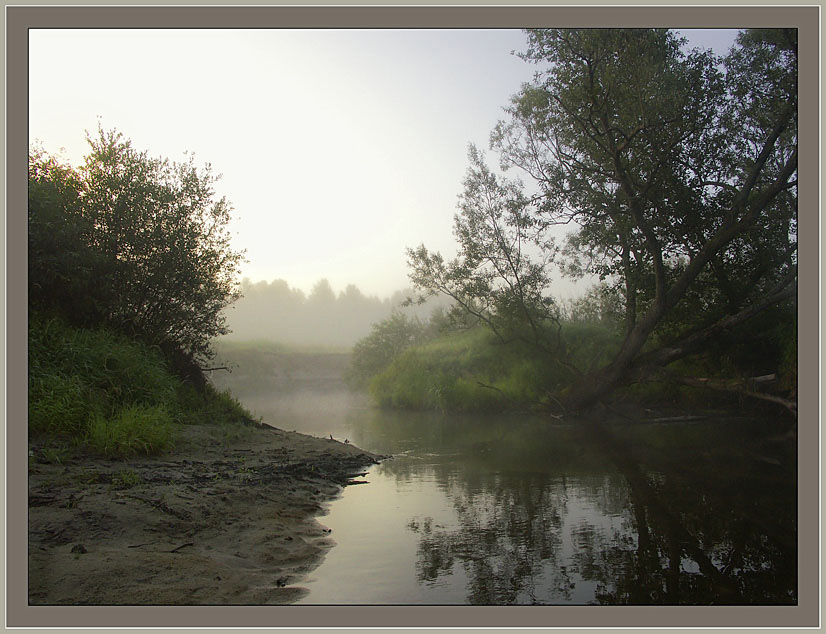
{"x": 338, "y": 148}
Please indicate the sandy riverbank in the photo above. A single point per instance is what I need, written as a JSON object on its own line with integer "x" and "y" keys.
{"x": 228, "y": 518}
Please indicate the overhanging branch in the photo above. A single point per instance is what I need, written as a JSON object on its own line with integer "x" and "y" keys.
{"x": 743, "y": 387}
{"x": 785, "y": 289}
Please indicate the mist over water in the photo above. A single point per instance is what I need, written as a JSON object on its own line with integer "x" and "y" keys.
{"x": 505, "y": 508}
{"x": 308, "y": 412}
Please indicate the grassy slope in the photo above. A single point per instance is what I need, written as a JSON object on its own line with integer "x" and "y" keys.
{"x": 99, "y": 391}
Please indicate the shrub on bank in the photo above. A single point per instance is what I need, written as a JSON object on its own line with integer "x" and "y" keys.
{"x": 111, "y": 362}
{"x": 387, "y": 340}
{"x": 135, "y": 243}
{"x": 61, "y": 405}
{"x": 474, "y": 371}
{"x": 461, "y": 371}
{"x": 210, "y": 405}
{"x": 75, "y": 374}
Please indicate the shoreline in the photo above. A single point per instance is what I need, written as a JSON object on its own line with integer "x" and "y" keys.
{"x": 230, "y": 517}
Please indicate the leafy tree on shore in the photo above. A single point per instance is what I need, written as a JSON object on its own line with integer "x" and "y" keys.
{"x": 386, "y": 341}
{"x": 132, "y": 242}
{"x": 680, "y": 181}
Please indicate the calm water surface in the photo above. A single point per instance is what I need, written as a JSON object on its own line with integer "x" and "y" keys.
{"x": 513, "y": 509}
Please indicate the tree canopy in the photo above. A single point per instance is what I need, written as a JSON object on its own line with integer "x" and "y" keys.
{"x": 675, "y": 169}
{"x": 139, "y": 244}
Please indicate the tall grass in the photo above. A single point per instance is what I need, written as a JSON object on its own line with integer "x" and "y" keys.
{"x": 77, "y": 374}
{"x": 111, "y": 395}
{"x": 210, "y": 406}
{"x": 134, "y": 429}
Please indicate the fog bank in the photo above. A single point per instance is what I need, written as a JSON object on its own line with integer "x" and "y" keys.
{"x": 275, "y": 311}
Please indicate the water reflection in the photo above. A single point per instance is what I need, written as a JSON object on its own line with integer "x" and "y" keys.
{"x": 642, "y": 514}
{"x": 504, "y": 537}
{"x": 512, "y": 509}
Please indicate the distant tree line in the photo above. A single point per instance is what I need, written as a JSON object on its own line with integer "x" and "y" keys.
{"x": 275, "y": 311}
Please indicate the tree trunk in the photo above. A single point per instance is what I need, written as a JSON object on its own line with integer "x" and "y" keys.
{"x": 596, "y": 385}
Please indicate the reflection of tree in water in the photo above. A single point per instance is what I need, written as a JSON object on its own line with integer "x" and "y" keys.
{"x": 701, "y": 535}
{"x": 706, "y": 530}
{"x": 506, "y": 535}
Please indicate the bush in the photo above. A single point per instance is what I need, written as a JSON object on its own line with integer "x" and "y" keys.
{"x": 463, "y": 371}
{"x": 133, "y": 242}
{"x": 61, "y": 405}
{"x": 473, "y": 370}
{"x": 75, "y": 373}
{"x": 386, "y": 341}
{"x": 210, "y": 405}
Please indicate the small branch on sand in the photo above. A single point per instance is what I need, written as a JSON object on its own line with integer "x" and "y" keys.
{"x": 162, "y": 506}
{"x": 175, "y": 550}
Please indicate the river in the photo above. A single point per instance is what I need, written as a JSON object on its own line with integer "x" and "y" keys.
{"x": 519, "y": 509}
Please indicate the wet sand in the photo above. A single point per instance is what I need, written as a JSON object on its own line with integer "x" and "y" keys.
{"x": 228, "y": 518}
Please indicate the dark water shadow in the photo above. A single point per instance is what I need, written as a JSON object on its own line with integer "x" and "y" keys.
{"x": 697, "y": 514}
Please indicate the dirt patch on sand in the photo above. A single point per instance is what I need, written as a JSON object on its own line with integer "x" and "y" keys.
{"x": 229, "y": 518}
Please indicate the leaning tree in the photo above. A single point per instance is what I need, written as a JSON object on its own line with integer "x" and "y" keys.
{"x": 677, "y": 171}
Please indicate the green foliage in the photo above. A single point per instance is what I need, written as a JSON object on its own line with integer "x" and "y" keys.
{"x": 55, "y": 455}
{"x": 475, "y": 371}
{"x": 61, "y": 405}
{"x": 678, "y": 180}
{"x": 62, "y": 266}
{"x": 590, "y": 344}
{"x": 210, "y": 405}
{"x": 77, "y": 374}
{"x": 125, "y": 479}
{"x": 602, "y": 303}
{"x": 387, "y": 340}
{"x": 133, "y": 242}
{"x": 494, "y": 278}
{"x": 100, "y": 390}
{"x": 134, "y": 429}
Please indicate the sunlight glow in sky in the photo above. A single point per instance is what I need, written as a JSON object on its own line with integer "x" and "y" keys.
{"x": 338, "y": 148}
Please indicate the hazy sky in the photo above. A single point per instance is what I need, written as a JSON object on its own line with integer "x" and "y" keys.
{"x": 338, "y": 148}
